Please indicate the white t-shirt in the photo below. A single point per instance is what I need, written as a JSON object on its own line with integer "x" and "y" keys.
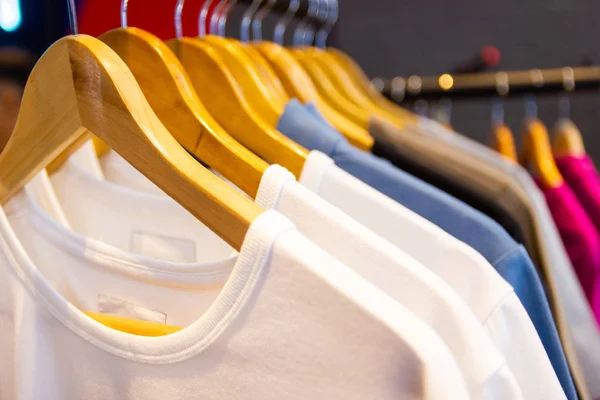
{"x": 283, "y": 320}
{"x": 488, "y": 295}
{"x": 381, "y": 263}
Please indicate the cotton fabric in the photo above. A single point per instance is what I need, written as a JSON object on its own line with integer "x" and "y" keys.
{"x": 574, "y": 317}
{"x": 258, "y": 302}
{"x": 453, "y": 216}
{"x": 580, "y": 237}
{"x": 404, "y": 279}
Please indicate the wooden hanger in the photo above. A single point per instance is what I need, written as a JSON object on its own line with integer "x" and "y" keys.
{"x": 167, "y": 88}
{"x": 503, "y": 142}
{"x": 299, "y": 84}
{"x": 345, "y": 85}
{"x": 362, "y": 82}
{"x": 81, "y": 86}
{"x": 537, "y": 154}
{"x": 567, "y": 139}
{"x": 328, "y": 91}
{"x": 230, "y": 105}
{"x": 247, "y": 114}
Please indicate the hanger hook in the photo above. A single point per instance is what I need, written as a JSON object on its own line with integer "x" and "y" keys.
{"x": 333, "y": 13}
{"x": 124, "y": 4}
{"x": 215, "y": 18}
{"x": 568, "y": 78}
{"x": 259, "y": 18}
{"x": 225, "y": 16}
{"x": 497, "y": 110}
{"x": 73, "y": 17}
{"x": 202, "y": 17}
{"x": 178, "y": 24}
{"x": 281, "y": 27}
{"x": 247, "y": 20}
{"x": 531, "y": 109}
{"x": 311, "y": 13}
{"x": 309, "y": 33}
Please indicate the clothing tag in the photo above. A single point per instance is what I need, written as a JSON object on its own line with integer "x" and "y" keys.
{"x": 163, "y": 247}
{"x": 121, "y": 308}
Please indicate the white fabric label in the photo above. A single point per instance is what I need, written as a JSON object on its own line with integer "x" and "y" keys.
{"x": 121, "y": 308}
{"x": 163, "y": 247}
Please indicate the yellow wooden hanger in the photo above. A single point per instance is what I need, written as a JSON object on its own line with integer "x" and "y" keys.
{"x": 328, "y": 91}
{"x": 567, "y": 139}
{"x": 502, "y": 140}
{"x": 167, "y": 88}
{"x": 297, "y": 82}
{"x": 244, "y": 112}
{"x": 362, "y": 83}
{"x": 338, "y": 75}
{"x": 537, "y": 154}
{"x": 80, "y": 86}
{"x": 265, "y": 70}
{"x": 242, "y": 66}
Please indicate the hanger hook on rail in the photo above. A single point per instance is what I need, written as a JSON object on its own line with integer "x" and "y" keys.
{"x": 568, "y": 78}
{"x": 177, "y": 17}
{"x": 281, "y": 27}
{"x": 202, "y": 16}
{"x": 301, "y": 26}
{"x": 308, "y": 33}
{"x": 247, "y": 20}
{"x": 333, "y": 13}
{"x": 259, "y": 18}
{"x": 73, "y": 17}
{"x": 223, "y": 16}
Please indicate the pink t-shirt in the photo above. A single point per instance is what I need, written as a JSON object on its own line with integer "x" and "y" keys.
{"x": 581, "y": 176}
{"x": 580, "y": 237}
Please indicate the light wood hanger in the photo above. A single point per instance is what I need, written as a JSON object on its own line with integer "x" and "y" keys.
{"x": 80, "y": 86}
{"x": 296, "y": 81}
{"x": 329, "y": 92}
{"x": 502, "y": 140}
{"x": 567, "y": 139}
{"x": 233, "y": 106}
{"x": 345, "y": 86}
{"x": 362, "y": 82}
{"x": 167, "y": 88}
{"x": 537, "y": 154}
{"x": 242, "y": 67}
{"x": 299, "y": 85}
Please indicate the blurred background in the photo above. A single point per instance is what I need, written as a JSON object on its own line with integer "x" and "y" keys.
{"x": 388, "y": 38}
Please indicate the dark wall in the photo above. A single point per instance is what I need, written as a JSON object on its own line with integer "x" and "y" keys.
{"x": 393, "y": 37}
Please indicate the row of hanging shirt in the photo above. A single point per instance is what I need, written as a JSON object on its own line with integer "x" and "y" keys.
{"x": 330, "y": 273}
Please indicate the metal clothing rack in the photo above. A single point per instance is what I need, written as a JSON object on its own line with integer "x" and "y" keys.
{"x": 489, "y": 84}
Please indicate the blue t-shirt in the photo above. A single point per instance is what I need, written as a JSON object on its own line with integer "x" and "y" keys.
{"x": 306, "y": 126}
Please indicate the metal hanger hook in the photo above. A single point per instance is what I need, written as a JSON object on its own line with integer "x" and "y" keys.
{"x": 281, "y": 27}
{"x": 224, "y": 16}
{"x": 333, "y": 13}
{"x": 178, "y": 24}
{"x": 215, "y": 18}
{"x": 497, "y": 110}
{"x": 308, "y": 35}
{"x": 531, "y": 108}
{"x": 259, "y": 18}
{"x": 124, "y": 4}
{"x": 73, "y": 17}
{"x": 301, "y": 26}
{"x": 247, "y": 20}
{"x": 568, "y": 78}
{"x": 202, "y": 15}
